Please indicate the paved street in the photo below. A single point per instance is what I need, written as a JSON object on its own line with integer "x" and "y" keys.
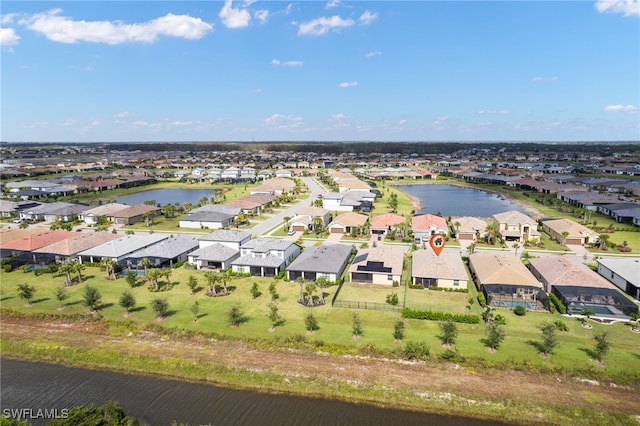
{"x": 278, "y": 219}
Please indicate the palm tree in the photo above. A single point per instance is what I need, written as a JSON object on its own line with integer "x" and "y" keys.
{"x": 78, "y": 267}
{"x": 604, "y": 238}
{"x": 109, "y": 266}
{"x": 148, "y": 217}
{"x": 187, "y": 206}
{"x": 226, "y": 277}
{"x": 301, "y": 282}
{"x": 491, "y": 230}
{"x": 321, "y": 282}
{"x": 145, "y": 263}
{"x": 66, "y": 269}
{"x": 516, "y": 246}
{"x": 456, "y": 225}
{"x": 203, "y": 200}
{"x": 471, "y": 248}
{"x": 286, "y": 222}
{"x": 310, "y": 288}
{"x": 154, "y": 276}
{"x": 212, "y": 279}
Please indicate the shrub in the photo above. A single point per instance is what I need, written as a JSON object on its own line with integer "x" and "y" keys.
{"x": 558, "y": 304}
{"x": 440, "y": 316}
{"x": 500, "y": 319}
{"x": 520, "y": 310}
{"x": 481, "y": 299}
{"x": 452, "y": 356}
{"x": 560, "y": 325}
{"x": 416, "y": 350}
{"x": 392, "y": 299}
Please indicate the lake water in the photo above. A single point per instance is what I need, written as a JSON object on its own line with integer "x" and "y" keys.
{"x": 40, "y": 386}
{"x": 166, "y": 196}
{"x": 449, "y": 200}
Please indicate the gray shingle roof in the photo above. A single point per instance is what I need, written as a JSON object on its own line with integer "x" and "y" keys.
{"x": 263, "y": 245}
{"x": 215, "y": 253}
{"x": 269, "y": 261}
{"x": 227, "y": 235}
{"x": 169, "y": 248}
{"x": 327, "y": 258}
{"x": 123, "y": 246}
{"x": 207, "y": 216}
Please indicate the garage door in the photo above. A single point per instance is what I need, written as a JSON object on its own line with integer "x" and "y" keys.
{"x": 574, "y": 241}
{"x": 465, "y": 237}
{"x": 299, "y": 228}
{"x": 337, "y": 231}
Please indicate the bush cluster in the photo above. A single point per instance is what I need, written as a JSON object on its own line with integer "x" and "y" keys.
{"x": 440, "y": 316}
{"x": 557, "y": 303}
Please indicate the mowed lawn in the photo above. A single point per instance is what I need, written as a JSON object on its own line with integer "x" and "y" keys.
{"x": 520, "y": 345}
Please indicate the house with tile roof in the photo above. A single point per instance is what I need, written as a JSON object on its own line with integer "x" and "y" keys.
{"x": 66, "y": 250}
{"x": 516, "y": 226}
{"x": 387, "y": 222}
{"x": 307, "y": 217}
{"x": 207, "y": 220}
{"x": 20, "y": 250}
{"x": 578, "y": 287}
{"x": 216, "y": 256}
{"x": 135, "y": 214}
{"x": 348, "y": 223}
{"x": 380, "y": 265}
{"x": 92, "y": 216}
{"x": 431, "y": 270}
{"x": 327, "y": 261}
{"x": 569, "y": 232}
{"x": 469, "y": 228}
{"x": 426, "y": 225}
{"x": 505, "y": 281}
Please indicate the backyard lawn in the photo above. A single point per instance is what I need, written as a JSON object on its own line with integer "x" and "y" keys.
{"x": 520, "y": 345}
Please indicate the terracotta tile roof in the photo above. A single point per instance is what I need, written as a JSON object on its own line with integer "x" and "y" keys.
{"x": 425, "y": 221}
{"x": 386, "y": 220}
{"x": 564, "y": 271}
{"x": 15, "y": 233}
{"x": 35, "y": 241}
{"x": 76, "y": 244}
{"x": 491, "y": 268}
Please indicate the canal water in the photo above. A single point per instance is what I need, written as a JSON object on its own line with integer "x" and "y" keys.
{"x": 40, "y": 386}
{"x": 449, "y": 200}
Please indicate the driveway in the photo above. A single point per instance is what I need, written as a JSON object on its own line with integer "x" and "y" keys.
{"x": 278, "y": 219}
{"x": 334, "y": 237}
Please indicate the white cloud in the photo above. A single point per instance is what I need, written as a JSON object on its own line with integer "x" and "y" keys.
{"x": 621, "y": 108}
{"x": 261, "y": 15}
{"x": 493, "y": 112}
{"x": 7, "y": 18}
{"x": 440, "y": 120}
{"x": 367, "y": 17}
{"x": 284, "y": 122}
{"x": 234, "y": 18}
{"x": 544, "y": 79}
{"x": 8, "y": 37}
{"x": 338, "y": 117}
{"x": 323, "y": 25}
{"x": 181, "y": 123}
{"x": 347, "y": 84}
{"x": 626, "y": 7}
{"x": 123, "y": 114}
{"x": 287, "y": 63}
{"x": 258, "y": 90}
{"x": 401, "y": 122}
{"x": 65, "y": 30}
{"x": 332, "y": 3}
{"x": 373, "y": 54}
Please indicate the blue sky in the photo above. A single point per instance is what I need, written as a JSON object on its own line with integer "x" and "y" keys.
{"x": 320, "y": 71}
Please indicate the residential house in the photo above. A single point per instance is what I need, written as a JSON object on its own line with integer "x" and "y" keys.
{"x": 66, "y": 250}
{"x": 426, "y": 225}
{"x": 384, "y": 223}
{"x": 348, "y": 223}
{"x": 623, "y": 272}
{"x": 21, "y": 250}
{"x": 13, "y": 208}
{"x": 578, "y": 288}
{"x": 505, "y": 281}
{"x": 120, "y": 248}
{"x": 276, "y": 186}
{"x": 284, "y": 174}
{"x": 253, "y": 205}
{"x": 348, "y": 201}
{"x": 65, "y": 213}
{"x": 446, "y": 270}
{"x": 135, "y": 214}
{"x": 207, "y": 220}
{"x": 92, "y": 216}
{"x": 327, "y": 261}
{"x": 568, "y": 232}
{"x": 218, "y": 249}
{"x": 265, "y": 256}
{"x": 516, "y": 226}
{"x": 308, "y": 217}
{"x": 378, "y": 265}
{"x": 469, "y": 228}
{"x": 166, "y": 252}
{"x": 48, "y": 210}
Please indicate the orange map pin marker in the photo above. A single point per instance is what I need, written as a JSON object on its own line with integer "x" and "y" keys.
{"x": 437, "y": 243}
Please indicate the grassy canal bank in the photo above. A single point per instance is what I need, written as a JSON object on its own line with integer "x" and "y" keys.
{"x": 296, "y": 366}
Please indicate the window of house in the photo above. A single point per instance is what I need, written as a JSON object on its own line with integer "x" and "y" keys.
{"x": 456, "y": 283}
{"x": 389, "y": 277}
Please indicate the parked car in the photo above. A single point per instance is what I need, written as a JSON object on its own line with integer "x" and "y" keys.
{"x": 291, "y": 232}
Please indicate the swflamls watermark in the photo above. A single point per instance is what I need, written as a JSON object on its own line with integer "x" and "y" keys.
{"x": 35, "y": 413}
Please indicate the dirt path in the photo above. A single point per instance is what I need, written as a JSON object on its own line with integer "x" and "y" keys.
{"x": 430, "y": 379}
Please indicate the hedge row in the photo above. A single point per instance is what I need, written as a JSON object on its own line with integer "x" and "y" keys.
{"x": 439, "y": 316}
{"x": 557, "y": 303}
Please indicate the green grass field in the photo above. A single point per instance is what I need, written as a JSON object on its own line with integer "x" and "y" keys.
{"x": 519, "y": 347}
